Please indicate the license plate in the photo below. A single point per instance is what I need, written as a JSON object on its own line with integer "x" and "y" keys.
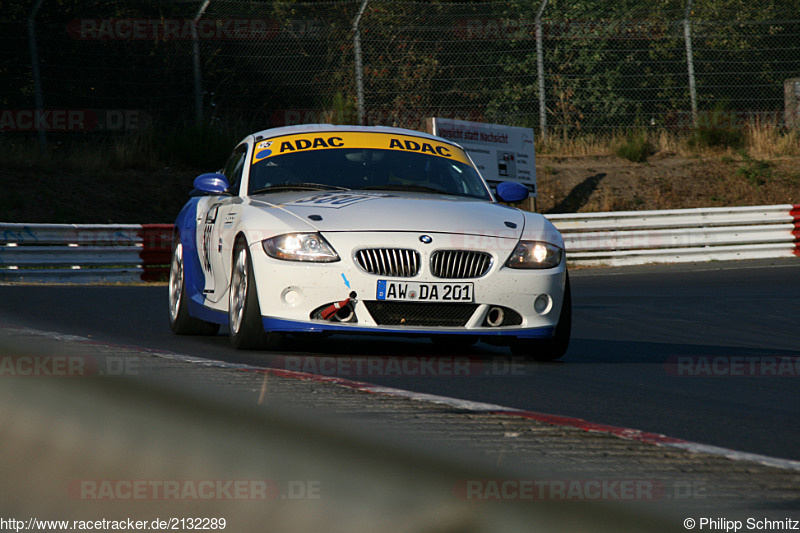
{"x": 425, "y": 292}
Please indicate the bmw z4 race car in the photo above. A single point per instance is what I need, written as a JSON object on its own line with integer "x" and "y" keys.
{"x": 352, "y": 229}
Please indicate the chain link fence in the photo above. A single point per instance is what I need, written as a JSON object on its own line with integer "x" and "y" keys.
{"x": 562, "y": 67}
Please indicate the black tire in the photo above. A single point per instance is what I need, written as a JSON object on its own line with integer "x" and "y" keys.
{"x": 180, "y": 321}
{"x": 549, "y": 349}
{"x": 244, "y": 313}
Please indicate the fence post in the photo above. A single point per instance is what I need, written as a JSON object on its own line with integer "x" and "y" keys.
{"x": 37, "y": 78}
{"x": 359, "y": 68}
{"x": 198, "y": 82}
{"x": 791, "y": 103}
{"x": 687, "y": 35}
{"x": 540, "y": 72}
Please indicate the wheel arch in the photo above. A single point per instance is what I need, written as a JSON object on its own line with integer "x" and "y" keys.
{"x": 239, "y": 237}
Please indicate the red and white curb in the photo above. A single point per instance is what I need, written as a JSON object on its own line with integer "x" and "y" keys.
{"x": 486, "y": 408}
{"x": 461, "y": 405}
{"x": 555, "y": 420}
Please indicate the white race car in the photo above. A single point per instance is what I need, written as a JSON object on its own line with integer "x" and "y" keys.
{"x": 350, "y": 229}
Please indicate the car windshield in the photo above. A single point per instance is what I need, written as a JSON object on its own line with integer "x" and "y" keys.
{"x": 443, "y": 170}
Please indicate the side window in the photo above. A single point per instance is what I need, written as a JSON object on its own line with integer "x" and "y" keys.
{"x": 235, "y": 166}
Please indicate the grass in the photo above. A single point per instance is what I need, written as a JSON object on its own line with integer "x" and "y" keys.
{"x": 756, "y": 171}
{"x": 636, "y": 147}
{"x": 680, "y": 174}
{"x": 759, "y": 140}
{"x": 204, "y": 147}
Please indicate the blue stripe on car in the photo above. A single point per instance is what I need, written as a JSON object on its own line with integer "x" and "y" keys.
{"x": 295, "y": 326}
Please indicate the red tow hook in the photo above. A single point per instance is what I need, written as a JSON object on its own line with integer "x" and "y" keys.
{"x": 331, "y": 310}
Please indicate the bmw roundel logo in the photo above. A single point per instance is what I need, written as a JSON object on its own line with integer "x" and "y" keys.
{"x": 427, "y": 239}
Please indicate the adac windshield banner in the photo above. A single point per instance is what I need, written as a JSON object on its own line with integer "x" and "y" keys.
{"x": 331, "y": 140}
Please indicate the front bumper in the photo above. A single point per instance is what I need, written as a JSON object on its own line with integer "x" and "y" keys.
{"x": 290, "y": 292}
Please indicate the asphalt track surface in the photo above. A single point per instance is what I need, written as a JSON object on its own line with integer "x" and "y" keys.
{"x": 707, "y": 353}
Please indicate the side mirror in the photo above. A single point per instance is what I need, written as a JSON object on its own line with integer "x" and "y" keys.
{"x": 212, "y": 183}
{"x": 511, "y": 191}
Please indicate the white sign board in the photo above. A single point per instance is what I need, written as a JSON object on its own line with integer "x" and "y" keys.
{"x": 501, "y": 153}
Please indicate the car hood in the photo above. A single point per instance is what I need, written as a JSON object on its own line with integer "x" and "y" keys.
{"x": 390, "y": 211}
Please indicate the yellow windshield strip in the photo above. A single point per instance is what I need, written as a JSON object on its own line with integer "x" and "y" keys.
{"x": 290, "y": 144}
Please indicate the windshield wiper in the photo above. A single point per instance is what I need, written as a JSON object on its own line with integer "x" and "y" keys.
{"x": 399, "y": 187}
{"x": 299, "y": 187}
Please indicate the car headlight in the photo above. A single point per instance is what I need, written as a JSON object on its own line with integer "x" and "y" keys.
{"x": 300, "y": 247}
{"x": 534, "y": 254}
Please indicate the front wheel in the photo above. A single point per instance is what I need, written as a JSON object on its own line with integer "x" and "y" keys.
{"x": 180, "y": 322}
{"x": 244, "y": 313}
{"x": 549, "y": 349}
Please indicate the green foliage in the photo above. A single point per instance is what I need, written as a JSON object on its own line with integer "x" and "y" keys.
{"x": 344, "y": 110}
{"x": 716, "y": 138}
{"x": 605, "y": 64}
{"x": 756, "y": 171}
{"x": 636, "y": 147}
{"x": 718, "y": 128}
{"x": 204, "y": 146}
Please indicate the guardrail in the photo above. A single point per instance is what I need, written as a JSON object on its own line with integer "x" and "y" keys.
{"x": 128, "y": 253}
{"x": 89, "y": 253}
{"x": 681, "y": 235}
